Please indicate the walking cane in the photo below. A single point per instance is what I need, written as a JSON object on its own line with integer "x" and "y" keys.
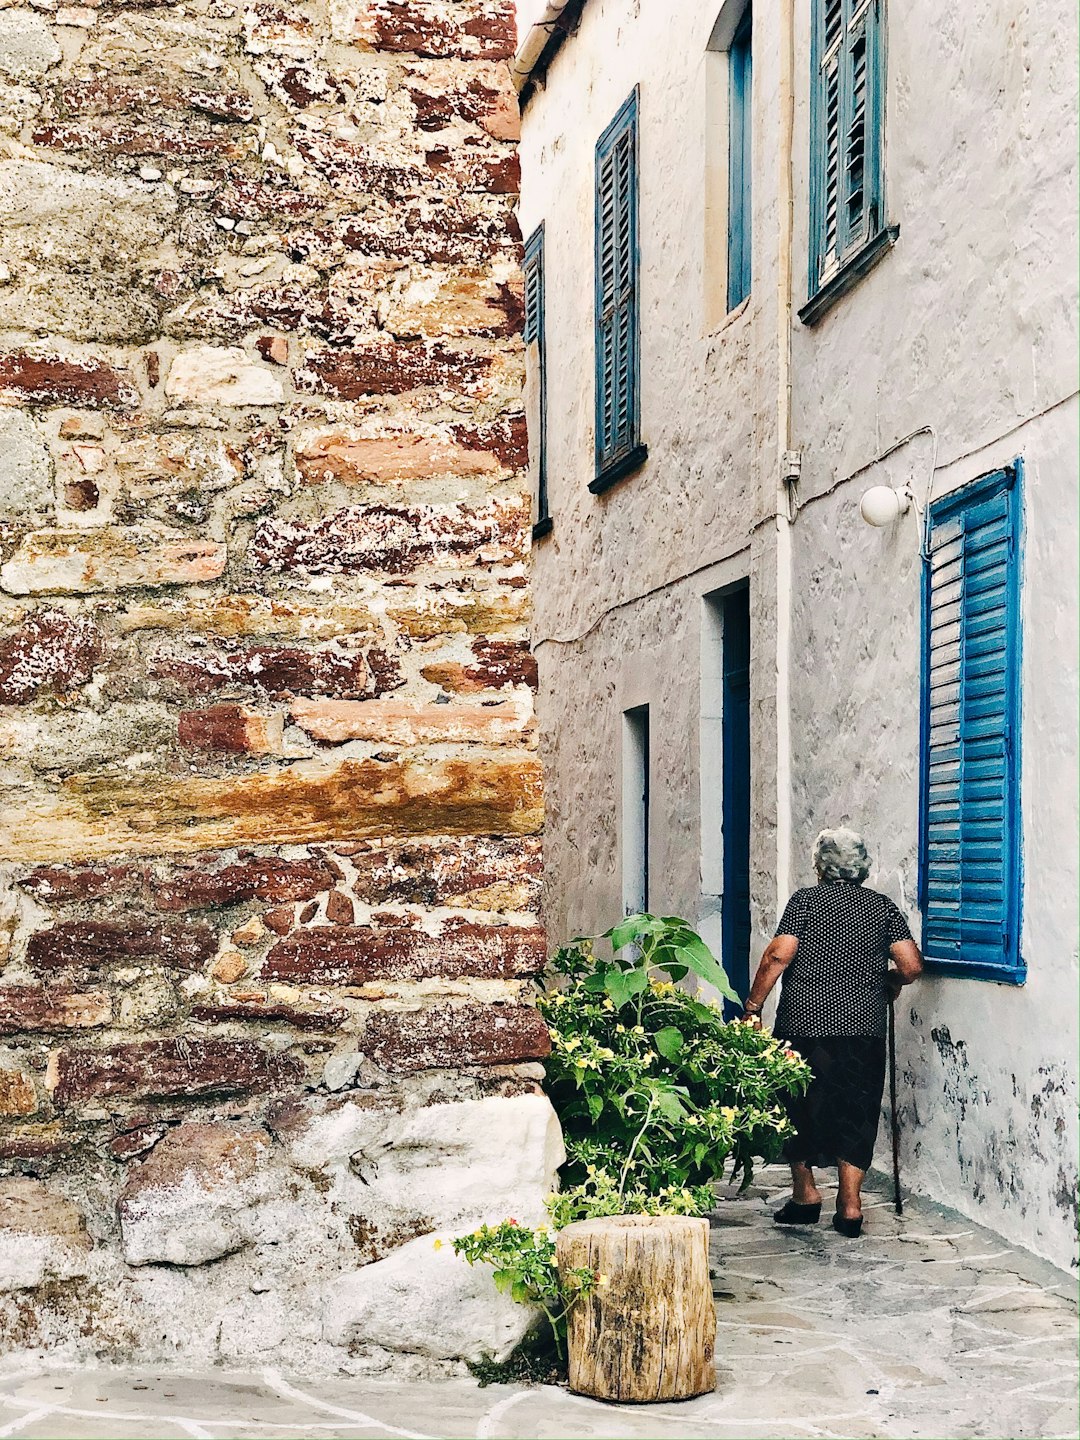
{"x": 897, "y": 1201}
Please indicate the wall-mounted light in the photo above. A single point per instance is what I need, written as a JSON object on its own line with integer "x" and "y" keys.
{"x": 882, "y": 504}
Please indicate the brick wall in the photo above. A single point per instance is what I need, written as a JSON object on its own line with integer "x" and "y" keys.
{"x": 271, "y": 797}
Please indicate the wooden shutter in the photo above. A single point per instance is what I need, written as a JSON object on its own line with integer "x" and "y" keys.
{"x": 848, "y": 125}
{"x": 617, "y": 321}
{"x": 971, "y": 812}
{"x": 534, "y": 335}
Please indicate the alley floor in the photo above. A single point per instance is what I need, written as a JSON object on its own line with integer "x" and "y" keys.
{"x": 928, "y": 1327}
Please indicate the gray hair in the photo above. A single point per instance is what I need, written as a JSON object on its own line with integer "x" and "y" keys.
{"x": 841, "y": 855}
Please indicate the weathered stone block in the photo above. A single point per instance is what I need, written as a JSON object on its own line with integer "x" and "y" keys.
{"x": 474, "y": 29}
{"x": 218, "y": 375}
{"x": 57, "y": 380}
{"x": 190, "y": 1201}
{"x": 425, "y": 1300}
{"x": 51, "y": 652}
{"x": 186, "y": 1067}
{"x": 25, "y": 469}
{"x": 42, "y": 1236}
{"x": 401, "y": 1041}
{"x": 79, "y": 562}
{"x": 498, "y": 663}
{"x": 384, "y": 368}
{"x": 449, "y": 871}
{"x": 28, "y": 47}
{"x": 262, "y": 1012}
{"x": 34, "y": 1007}
{"x": 281, "y": 671}
{"x": 394, "y": 539}
{"x": 393, "y": 459}
{"x": 17, "y": 1093}
{"x": 411, "y": 722}
{"x": 230, "y": 730}
{"x": 91, "y": 944}
{"x": 355, "y": 955}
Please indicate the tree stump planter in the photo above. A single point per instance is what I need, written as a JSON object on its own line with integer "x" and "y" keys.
{"x": 650, "y": 1331}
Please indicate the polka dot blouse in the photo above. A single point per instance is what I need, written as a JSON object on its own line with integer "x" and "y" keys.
{"x": 836, "y": 983}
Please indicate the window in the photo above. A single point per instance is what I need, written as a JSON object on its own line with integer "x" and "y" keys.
{"x": 847, "y": 192}
{"x": 739, "y": 173}
{"x": 618, "y": 420}
{"x": 635, "y": 810}
{"x": 970, "y": 871}
{"x": 536, "y": 379}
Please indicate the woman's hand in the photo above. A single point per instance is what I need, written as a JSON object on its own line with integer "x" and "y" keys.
{"x": 751, "y": 1017}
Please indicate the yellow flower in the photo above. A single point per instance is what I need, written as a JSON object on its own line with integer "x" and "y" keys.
{"x": 603, "y": 1280}
{"x": 438, "y": 1244}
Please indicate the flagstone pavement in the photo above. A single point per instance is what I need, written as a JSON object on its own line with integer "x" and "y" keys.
{"x": 927, "y": 1327}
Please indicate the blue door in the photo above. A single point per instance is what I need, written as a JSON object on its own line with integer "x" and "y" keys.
{"x": 735, "y": 913}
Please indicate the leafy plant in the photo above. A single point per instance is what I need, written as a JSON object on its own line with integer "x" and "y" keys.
{"x": 655, "y": 1092}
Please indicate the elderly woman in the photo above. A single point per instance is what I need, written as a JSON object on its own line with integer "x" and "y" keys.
{"x": 832, "y": 949}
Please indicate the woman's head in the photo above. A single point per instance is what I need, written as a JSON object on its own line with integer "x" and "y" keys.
{"x": 841, "y": 855}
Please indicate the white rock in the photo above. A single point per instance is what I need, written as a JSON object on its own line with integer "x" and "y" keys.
{"x": 427, "y": 1301}
{"x": 25, "y": 471}
{"x": 223, "y": 375}
{"x": 27, "y": 46}
{"x": 42, "y": 1236}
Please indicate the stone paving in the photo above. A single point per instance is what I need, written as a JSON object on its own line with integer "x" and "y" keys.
{"x": 928, "y": 1327}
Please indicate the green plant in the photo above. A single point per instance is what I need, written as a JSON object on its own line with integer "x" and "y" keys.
{"x": 651, "y": 1086}
{"x": 524, "y": 1267}
{"x": 656, "y": 1095}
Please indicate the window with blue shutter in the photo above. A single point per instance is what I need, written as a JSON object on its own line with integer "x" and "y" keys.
{"x": 739, "y": 171}
{"x": 536, "y": 384}
{"x": 847, "y": 123}
{"x": 970, "y": 844}
{"x": 618, "y": 411}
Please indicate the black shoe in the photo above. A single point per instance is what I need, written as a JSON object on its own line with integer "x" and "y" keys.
{"x": 851, "y": 1228}
{"x": 792, "y": 1214}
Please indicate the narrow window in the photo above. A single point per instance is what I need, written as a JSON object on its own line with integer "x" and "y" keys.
{"x": 739, "y": 170}
{"x": 970, "y": 872}
{"x": 618, "y": 419}
{"x": 536, "y": 380}
{"x": 847, "y": 222}
{"x": 635, "y": 810}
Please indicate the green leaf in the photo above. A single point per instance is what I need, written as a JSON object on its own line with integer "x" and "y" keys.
{"x": 623, "y": 985}
{"x": 704, "y": 964}
{"x": 669, "y": 1042}
{"x": 675, "y": 972}
{"x": 627, "y": 930}
{"x": 669, "y": 1105}
{"x": 596, "y": 981}
{"x": 596, "y": 1106}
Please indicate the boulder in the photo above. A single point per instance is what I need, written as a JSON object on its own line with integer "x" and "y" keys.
{"x": 425, "y": 1300}
{"x": 195, "y": 1197}
{"x": 42, "y": 1236}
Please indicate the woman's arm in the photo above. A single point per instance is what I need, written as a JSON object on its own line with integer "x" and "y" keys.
{"x": 778, "y": 955}
{"x": 907, "y": 965}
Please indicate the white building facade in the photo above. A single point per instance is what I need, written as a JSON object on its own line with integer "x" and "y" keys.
{"x": 777, "y": 258}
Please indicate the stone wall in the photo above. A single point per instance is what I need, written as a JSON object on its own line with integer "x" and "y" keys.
{"x": 270, "y": 792}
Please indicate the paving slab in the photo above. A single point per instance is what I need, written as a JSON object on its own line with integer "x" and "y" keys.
{"x": 928, "y": 1328}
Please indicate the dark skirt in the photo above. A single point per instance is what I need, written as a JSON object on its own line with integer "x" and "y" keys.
{"x": 837, "y": 1118}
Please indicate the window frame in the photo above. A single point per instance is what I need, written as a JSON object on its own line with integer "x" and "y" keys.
{"x": 740, "y": 63}
{"x": 1009, "y": 480}
{"x": 534, "y": 257}
{"x": 858, "y": 248}
{"x": 612, "y": 465}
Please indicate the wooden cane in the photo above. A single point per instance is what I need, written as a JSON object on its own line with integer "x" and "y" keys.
{"x": 897, "y": 1200}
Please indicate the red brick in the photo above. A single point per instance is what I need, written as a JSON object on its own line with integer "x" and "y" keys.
{"x": 339, "y": 909}
{"x": 50, "y": 653}
{"x": 485, "y": 31}
{"x": 455, "y": 1036}
{"x": 507, "y": 439}
{"x": 494, "y": 109}
{"x": 81, "y": 495}
{"x": 438, "y": 872}
{"x": 33, "y": 1007}
{"x": 393, "y": 538}
{"x": 498, "y": 663}
{"x": 108, "y": 96}
{"x": 115, "y": 137}
{"x": 92, "y": 943}
{"x": 296, "y": 1016}
{"x": 355, "y": 955}
{"x": 250, "y": 878}
{"x": 278, "y": 671}
{"x": 387, "y": 368}
{"x": 230, "y": 730}
{"x": 185, "y": 1066}
{"x": 53, "y": 380}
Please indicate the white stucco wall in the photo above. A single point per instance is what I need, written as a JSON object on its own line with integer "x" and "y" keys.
{"x": 968, "y": 325}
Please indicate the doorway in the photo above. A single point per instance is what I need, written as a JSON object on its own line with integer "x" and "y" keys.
{"x": 735, "y": 791}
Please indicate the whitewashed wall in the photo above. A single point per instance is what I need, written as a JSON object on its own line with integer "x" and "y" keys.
{"x": 968, "y": 325}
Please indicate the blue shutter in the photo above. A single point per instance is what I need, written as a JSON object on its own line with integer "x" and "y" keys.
{"x": 534, "y": 334}
{"x": 847, "y": 133}
{"x": 970, "y": 853}
{"x": 739, "y": 166}
{"x": 617, "y": 317}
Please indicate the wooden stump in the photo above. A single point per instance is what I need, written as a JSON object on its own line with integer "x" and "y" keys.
{"x": 650, "y": 1331}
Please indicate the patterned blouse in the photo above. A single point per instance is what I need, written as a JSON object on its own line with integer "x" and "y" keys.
{"x": 836, "y": 983}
